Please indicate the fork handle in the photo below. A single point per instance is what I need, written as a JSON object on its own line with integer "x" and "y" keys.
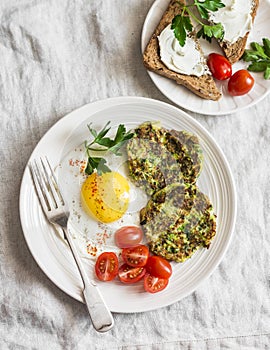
{"x": 100, "y": 314}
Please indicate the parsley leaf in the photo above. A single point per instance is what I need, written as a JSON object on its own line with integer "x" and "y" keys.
{"x": 259, "y": 56}
{"x": 266, "y": 46}
{"x": 107, "y": 143}
{"x": 96, "y": 163}
{"x": 181, "y": 24}
{"x": 208, "y": 5}
{"x": 120, "y": 138}
{"x": 267, "y": 72}
{"x": 208, "y": 32}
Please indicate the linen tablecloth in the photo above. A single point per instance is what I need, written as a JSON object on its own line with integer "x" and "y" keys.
{"x": 56, "y": 56}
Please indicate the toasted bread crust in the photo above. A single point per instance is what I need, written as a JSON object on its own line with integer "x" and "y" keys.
{"x": 235, "y": 51}
{"x": 203, "y": 86}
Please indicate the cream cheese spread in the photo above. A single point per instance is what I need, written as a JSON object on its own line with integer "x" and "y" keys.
{"x": 186, "y": 60}
{"x": 235, "y": 17}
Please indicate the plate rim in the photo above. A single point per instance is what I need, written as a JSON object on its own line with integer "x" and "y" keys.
{"x": 114, "y": 101}
{"x": 198, "y": 110}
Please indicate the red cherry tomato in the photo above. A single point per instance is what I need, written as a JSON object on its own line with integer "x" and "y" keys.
{"x": 240, "y": 83}
{"x": 106, "y": 266}
{"x": 135, "y": 256}
{"x": 154, "y": 284}
{"x": 128, "y": 236}
{"x": 159, "y": 267}
{"x": 129, "y": 274}
{"x": 219, "y": 66}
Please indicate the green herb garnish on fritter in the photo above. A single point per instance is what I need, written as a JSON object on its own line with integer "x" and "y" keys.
{"x": 104, "y": 143}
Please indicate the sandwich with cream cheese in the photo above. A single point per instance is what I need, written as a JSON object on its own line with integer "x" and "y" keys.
{"x": 237, "y": 18}
{"x": 185, "y": 65}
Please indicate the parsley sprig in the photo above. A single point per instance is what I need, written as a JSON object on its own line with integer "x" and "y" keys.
{"x": 181, "y": 24}
{"x": 104, "y": 144}
{"x": 259, "y": 55}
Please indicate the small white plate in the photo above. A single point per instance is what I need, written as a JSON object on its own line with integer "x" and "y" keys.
{"x": 227, "y": 104}
{"x": 52, "y": 253}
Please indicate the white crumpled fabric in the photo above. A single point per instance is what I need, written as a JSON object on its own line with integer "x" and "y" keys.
{"x": 55, "y": 56}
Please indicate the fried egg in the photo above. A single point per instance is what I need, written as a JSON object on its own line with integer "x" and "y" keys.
{"x": 105, "y": 196}
{"x": 98, "y": 204}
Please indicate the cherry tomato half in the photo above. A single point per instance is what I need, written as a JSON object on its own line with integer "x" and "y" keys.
{"x": 240, "y": 83}
{"x": 159, "y": 267}
{"x": 154, "y": 284}
{"x": 219, "y": 66}
{"x": 129, "y": 274}
{"x": 135, "y": 256}
{"x": 128, "y": 236}
{"x": 106, "y": 266}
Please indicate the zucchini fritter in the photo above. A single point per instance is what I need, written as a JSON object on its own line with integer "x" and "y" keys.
{"x": 194, "y": 227}
{"x": 158, "y": 157}
{"x": 178, "y": 218}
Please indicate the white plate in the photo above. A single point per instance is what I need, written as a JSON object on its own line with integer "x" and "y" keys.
{"x": 52, "y": 254}
{"x": 227, "y": 104}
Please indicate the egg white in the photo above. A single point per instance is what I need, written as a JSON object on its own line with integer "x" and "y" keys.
{"x": 91, "y": 236}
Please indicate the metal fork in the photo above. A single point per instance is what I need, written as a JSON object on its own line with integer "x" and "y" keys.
{"x": 57, "y": 213}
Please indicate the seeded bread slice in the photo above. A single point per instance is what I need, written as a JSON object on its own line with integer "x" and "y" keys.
{"x": 235, "y": 51}
{"x": 203, "y": 86}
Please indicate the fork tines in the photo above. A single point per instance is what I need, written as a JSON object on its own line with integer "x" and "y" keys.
{"x": 46, "y": 184}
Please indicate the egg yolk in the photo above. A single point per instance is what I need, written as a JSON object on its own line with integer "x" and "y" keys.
{"x": 105, "y": 196}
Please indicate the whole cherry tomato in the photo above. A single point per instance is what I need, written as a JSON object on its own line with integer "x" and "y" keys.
{"x": 219, "y": 66}
{"x": 106, "y": 266}
{"x": 240, "y": 83}
{"x": 128, "y": 236}
{"x": 159, "y": 267}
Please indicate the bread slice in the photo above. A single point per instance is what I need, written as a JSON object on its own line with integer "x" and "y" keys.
{"x": 235, "y": 51}
{"x": 203, "y": 86}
